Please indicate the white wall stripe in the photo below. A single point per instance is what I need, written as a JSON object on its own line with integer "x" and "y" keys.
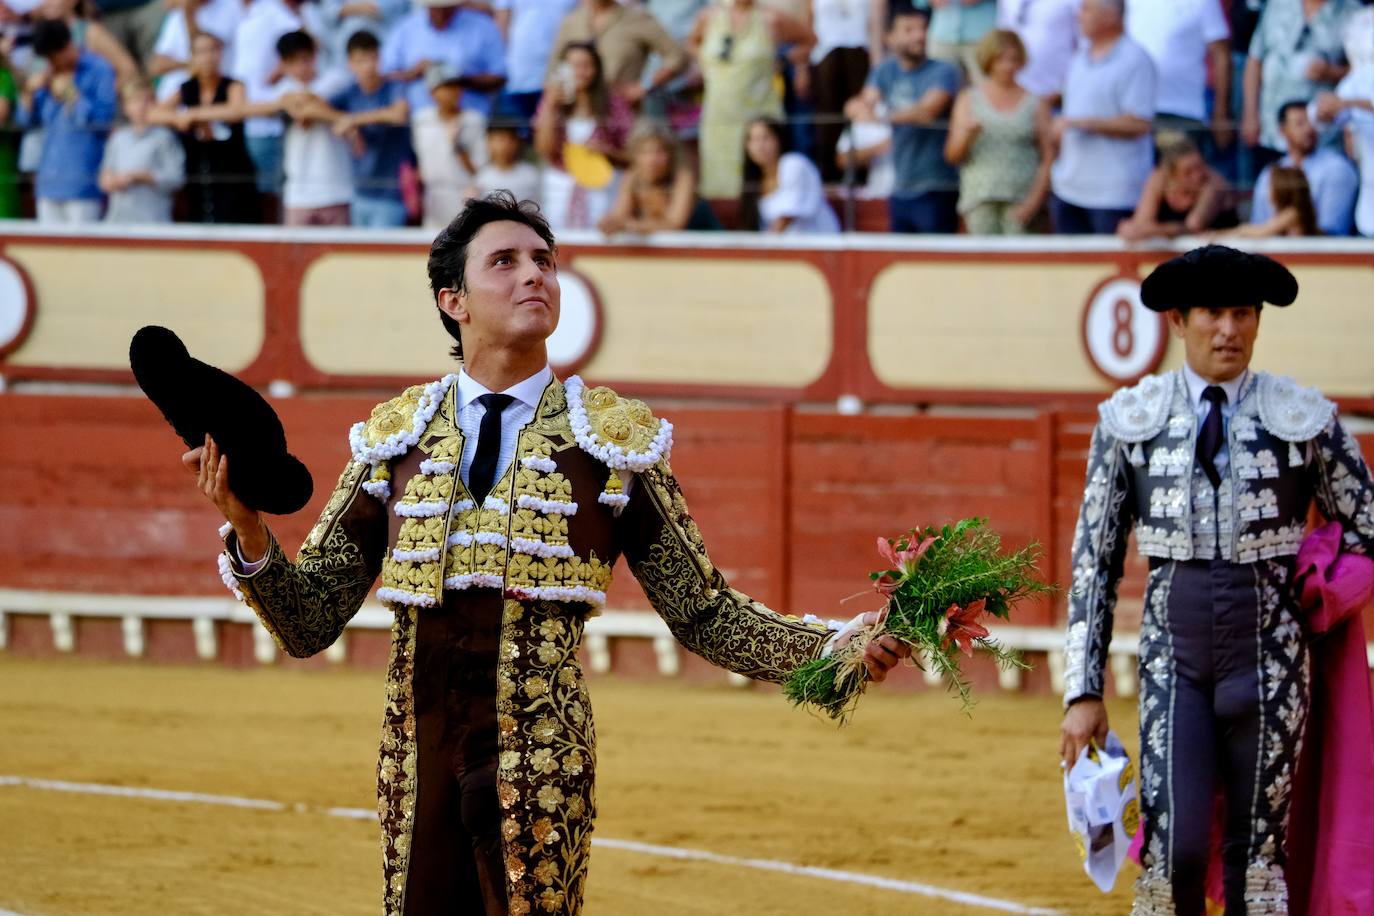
{"x": 668, "y": 852}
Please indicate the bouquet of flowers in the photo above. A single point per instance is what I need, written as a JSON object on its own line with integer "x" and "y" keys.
{"x": 939, "y": 583}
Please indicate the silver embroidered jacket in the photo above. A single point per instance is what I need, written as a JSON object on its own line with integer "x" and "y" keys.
{"x": 1286, "y": 446}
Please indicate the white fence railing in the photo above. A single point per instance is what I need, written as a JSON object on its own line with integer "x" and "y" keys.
{"x": 202, "y": 614}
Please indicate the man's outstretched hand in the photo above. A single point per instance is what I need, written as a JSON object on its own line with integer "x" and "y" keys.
{"x": 211, "y": 470}
{"x": 881, "y": 655}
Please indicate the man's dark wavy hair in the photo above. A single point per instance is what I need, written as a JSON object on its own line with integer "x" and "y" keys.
{"x": 448, "y": 255}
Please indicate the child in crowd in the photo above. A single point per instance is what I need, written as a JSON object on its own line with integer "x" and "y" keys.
{"x": 73, "y": 99}
{"x": 373, "y": 118}
{"x": 318, "y": 166}
{"x": 144, "y": 163}
{"x": 1295, "y": 215}
{"x": 506, "y": 168}
{"x": 449, "y": 145}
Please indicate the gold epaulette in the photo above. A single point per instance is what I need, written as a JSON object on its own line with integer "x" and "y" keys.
{"x": 621, "y": 432}
{"x": 396, "y": 425}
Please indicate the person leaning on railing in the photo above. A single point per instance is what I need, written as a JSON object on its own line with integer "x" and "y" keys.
{"x": 208, "y": 112}
{"x": 1183, "y": 196}
{"x": 659, "y": 191}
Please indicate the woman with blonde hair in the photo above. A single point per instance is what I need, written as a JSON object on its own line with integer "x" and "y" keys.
{"x": 1183, "y": 196}
{"x": 999, "y": 136}
{"x": 658, "y": 192}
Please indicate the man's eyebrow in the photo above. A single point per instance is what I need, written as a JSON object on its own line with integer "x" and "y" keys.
{"x": 549, "y": 252}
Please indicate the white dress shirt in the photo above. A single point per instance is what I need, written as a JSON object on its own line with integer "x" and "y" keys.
{"x": 514, "y": 418}
{"x": 1196, "y": 385}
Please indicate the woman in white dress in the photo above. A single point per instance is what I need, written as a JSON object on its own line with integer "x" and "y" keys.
{"x": 782, "y": 190}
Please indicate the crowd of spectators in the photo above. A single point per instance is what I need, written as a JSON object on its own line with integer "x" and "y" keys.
{"x": 1140, "y": 118}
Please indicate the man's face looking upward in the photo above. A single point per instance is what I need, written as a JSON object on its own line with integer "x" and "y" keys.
{"x": 511, "y": 297}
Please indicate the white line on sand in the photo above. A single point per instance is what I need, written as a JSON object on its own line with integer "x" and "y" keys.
{"x": 668, "y": 852}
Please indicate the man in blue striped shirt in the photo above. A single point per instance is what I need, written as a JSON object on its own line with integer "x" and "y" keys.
{"x": 74, "y": 101}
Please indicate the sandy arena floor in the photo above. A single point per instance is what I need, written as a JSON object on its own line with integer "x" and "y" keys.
{"x": 911, "y": 791}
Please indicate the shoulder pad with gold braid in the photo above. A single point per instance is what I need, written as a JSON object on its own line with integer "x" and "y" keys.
{"x": 620, "y": 432}
{"x": 396, "y": 425}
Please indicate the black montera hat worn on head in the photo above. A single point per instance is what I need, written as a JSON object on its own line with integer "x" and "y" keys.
{"x": 196, "y": 398}
{"x": 1215, "y": 276}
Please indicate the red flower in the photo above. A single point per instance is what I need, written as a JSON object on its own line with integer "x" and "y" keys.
{"x": 963, "y": 627}
{"x": 902, "y": 560}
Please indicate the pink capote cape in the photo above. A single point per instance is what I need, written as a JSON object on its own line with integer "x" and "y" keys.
{"x": 1331, "y": 825}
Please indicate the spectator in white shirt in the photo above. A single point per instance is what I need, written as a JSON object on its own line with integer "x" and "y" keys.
{"x": 449, "y": 143}
{"x": 172, "y": 53}
{"x": 1185, "y": 39}
{"x": 507, "y": 169}
{"x": 318, "y": 186}
{"x": 1103, "y": 135}
{"x": 1351, "y": 109}
{"x": 782, "y": 190}
{"x": 144, "y": 164}
{"x": 1049, "y": 30}
{"x": 254, "y": 63}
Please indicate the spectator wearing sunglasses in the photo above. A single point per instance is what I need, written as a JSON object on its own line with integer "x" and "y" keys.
{"x": 736, "y": 45}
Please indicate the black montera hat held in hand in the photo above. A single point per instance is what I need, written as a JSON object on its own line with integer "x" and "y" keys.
{"x": 1215, "y": 276}
{"x": 196, "y": 398}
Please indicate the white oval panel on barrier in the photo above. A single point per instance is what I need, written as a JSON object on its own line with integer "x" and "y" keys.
{"x": 579, "y": 323}
{"x": 1124, "y": 340}
{"x": 15, "y": 305}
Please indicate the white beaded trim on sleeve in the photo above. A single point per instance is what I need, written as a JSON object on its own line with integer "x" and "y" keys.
{"x": 226, "y": 574}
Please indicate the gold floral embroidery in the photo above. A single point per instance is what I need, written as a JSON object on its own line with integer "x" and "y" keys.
{"x": 548, "y": 752}
{"x": 721, "y": 625}
{"x": 396, "y": 766}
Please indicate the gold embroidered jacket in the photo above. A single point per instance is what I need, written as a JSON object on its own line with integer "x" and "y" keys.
{"x": 543, "y": 542}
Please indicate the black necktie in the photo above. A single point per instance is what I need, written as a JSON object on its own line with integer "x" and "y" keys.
{"x": 1209, "y": 437}
{"x": 482, "y": 474}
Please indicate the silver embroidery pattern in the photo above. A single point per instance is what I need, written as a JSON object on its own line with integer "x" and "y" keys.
{"x": 1284, "y": 679}
{"x": 1344, "y": 491}
{"x": 1156, "y": 708}
{"x": 1138, "y": 413}
{"x": 1289, "y": 410}
{"x": 1099, "y": 549}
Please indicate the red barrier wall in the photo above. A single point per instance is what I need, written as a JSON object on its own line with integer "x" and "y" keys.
{"x": 791, "y": 502}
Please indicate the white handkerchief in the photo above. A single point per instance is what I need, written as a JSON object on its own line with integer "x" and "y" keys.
{"x": 1102, "y": 798}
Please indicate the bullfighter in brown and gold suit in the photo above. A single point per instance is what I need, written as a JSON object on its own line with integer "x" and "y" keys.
{"x": 494, "y": 503}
